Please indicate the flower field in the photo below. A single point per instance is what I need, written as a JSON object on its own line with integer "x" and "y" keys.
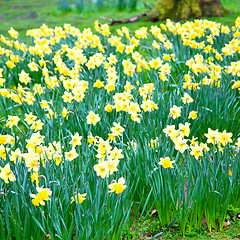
{"x": 100, "y": 128}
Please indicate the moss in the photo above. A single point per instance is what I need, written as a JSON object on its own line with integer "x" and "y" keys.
{"x": 163, "y": 9}
{"x": 184, "y": 9}
{"x": 196, "y": 9}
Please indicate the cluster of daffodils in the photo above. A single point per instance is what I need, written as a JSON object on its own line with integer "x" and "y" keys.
{"x": 124, "y": 101}
{"x": 108, "y": 157}
{"x": 221, "y": 139}
{"x": 72, "y": 90}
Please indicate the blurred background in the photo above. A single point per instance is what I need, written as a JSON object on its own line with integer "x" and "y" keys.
{"x": 28, "y": 14}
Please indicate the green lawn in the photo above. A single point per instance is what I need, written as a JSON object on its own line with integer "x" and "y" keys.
{"x": 25, "y": 14}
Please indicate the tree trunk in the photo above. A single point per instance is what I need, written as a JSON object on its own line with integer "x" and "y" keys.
{"x": 185, "y": 9}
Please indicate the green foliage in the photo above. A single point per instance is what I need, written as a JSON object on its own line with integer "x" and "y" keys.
{"x": 80, "y": 5}
{"x": 193, "y": 190}
{"x": 64, "y": 5}
{"x": 98, "y": 5}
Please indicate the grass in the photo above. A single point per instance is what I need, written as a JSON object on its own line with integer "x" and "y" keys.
{"x": 150, "y": 227}
{"x": 23, "y": 15}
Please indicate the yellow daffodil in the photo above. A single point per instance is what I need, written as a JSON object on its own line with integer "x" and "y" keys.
{"x": 6, "y": 174}
{"x": 117, "y": 186}
{"x": 93, "y": 118}
{"x": 166, "y": 162}
{"x": 78, "y": 198}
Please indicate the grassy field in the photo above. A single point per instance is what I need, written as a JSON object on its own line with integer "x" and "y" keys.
{"x": 24, "y": 14}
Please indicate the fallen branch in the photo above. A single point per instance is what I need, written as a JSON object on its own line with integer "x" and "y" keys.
{"x": 129, "y": 20}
